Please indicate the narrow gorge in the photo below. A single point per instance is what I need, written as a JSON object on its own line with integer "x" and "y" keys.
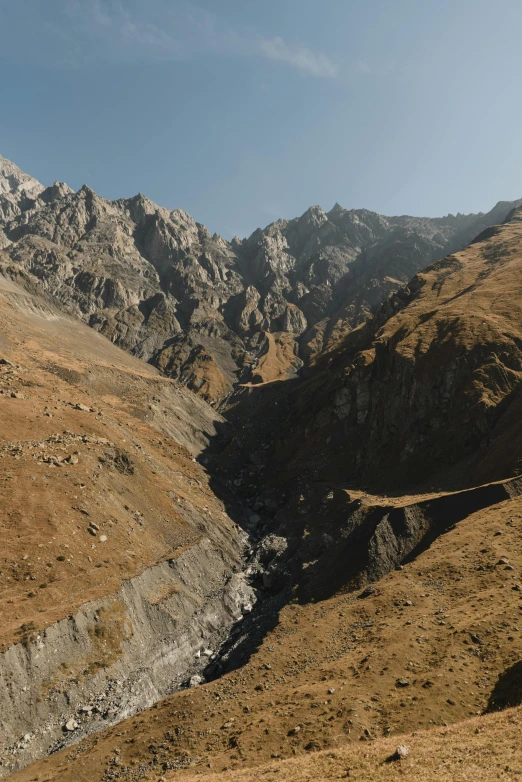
{"x": 210, "y": 448}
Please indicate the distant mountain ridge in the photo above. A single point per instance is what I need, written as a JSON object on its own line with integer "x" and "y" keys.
{"x": 209, "y": 312}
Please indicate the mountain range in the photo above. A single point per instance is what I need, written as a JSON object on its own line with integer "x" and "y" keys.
{"x": 211, "y": 313}
{"x": 260, "y": 500}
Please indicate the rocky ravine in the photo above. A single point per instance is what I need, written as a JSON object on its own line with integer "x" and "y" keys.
{"x": 209, "y": 312}
{"x": 140, "y": 575}
{"x": 121, "y": 572}
{"x": 382, "y": 614}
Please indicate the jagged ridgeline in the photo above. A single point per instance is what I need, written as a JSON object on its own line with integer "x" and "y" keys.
{"x": 206, "y": 311}
{"x": 345, "y": 542}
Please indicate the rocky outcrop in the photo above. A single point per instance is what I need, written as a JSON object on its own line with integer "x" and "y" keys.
{"x": 16, "y": 192}
{"x": 118, "y": 655}
{"x": 119, "y": 566}
{"x": 440, "y": 365}
{"x": 161, "y": 286}
{"x": 380, "y": 538}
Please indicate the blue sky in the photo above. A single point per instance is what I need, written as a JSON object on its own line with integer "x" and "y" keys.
{"x": 243, "y": 111}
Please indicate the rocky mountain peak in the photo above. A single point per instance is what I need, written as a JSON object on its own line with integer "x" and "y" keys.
{"x": 55, "y": 192}
{"x": 314, "y": 216}
{"x": 289, "y": 509}
{"x": 210, "y": 312}
{"x": 336, "y": 211}
{"x": 17, "y": 190}
{"x": 14, "y": 182}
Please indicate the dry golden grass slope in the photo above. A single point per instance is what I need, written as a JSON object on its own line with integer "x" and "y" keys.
{"x": 483, "y": 749}
{"x": 91, "y": 441}
{"x": 429, "y": 392}
{"x": 434, "y": 645}
{"x": 336, "y": 685}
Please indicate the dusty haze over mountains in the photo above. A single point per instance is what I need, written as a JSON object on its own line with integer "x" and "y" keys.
{"x": 261, "y": 498}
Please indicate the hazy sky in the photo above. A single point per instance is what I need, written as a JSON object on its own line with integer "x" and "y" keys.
{"x": 243, "y": 111}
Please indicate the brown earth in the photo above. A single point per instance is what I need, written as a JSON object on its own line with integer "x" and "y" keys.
{"x": 94, "y": 444}
{"x": 436, "y": 643}
{"x": 428, "y": 392}
{"x": 487, "y": 749}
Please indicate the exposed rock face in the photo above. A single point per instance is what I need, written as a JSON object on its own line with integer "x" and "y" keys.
{"x": 16, "y": 191}
{"x": 430, "y": 386}
{"x": 121, "y": 653}
{"x": 201, "y": 308}
{"x": 122, "y": 573}
{"x": 118, "y": 562}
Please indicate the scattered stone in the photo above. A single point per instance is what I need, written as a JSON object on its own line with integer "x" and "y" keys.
{"x": 82, "y": 407}
{"x": 294, "y": 731}
{"x": 401, "y": 752}
{"x": 271, "y": 547}
{"x": 103, "y": 538}
{"x": 268, "y": 580}
{"x": 71, "y": 725}
{"x": 195, "y": 681}
{"x": 402, "y": 683}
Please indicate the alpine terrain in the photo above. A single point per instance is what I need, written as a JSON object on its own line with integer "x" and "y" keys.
{"x": 261, "y": 500}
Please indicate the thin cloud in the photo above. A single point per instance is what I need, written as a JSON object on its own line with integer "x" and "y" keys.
{"x": 99, "y": 15}
{"x": 361, "y": 66}
{"x": 75, "y": 33}
{"x": 305, "y": 60}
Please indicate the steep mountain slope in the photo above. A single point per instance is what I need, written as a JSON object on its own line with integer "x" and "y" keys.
{"x": 206, "y": 311}
{"x": 16, "y": 191}
{"x": 382, "y": 615}
{"x": 434, "y": 643}
{"x": 118, "y": 563}
{"x": 340, "y": 615}
{"x": 429, "y": 391}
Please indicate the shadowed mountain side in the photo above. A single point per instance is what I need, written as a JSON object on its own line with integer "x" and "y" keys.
{"x": 118, "y": 563}
{"x": 508, "y": 689}
{"x": 428, "y": 392}
{"x": 423, "y": 649}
